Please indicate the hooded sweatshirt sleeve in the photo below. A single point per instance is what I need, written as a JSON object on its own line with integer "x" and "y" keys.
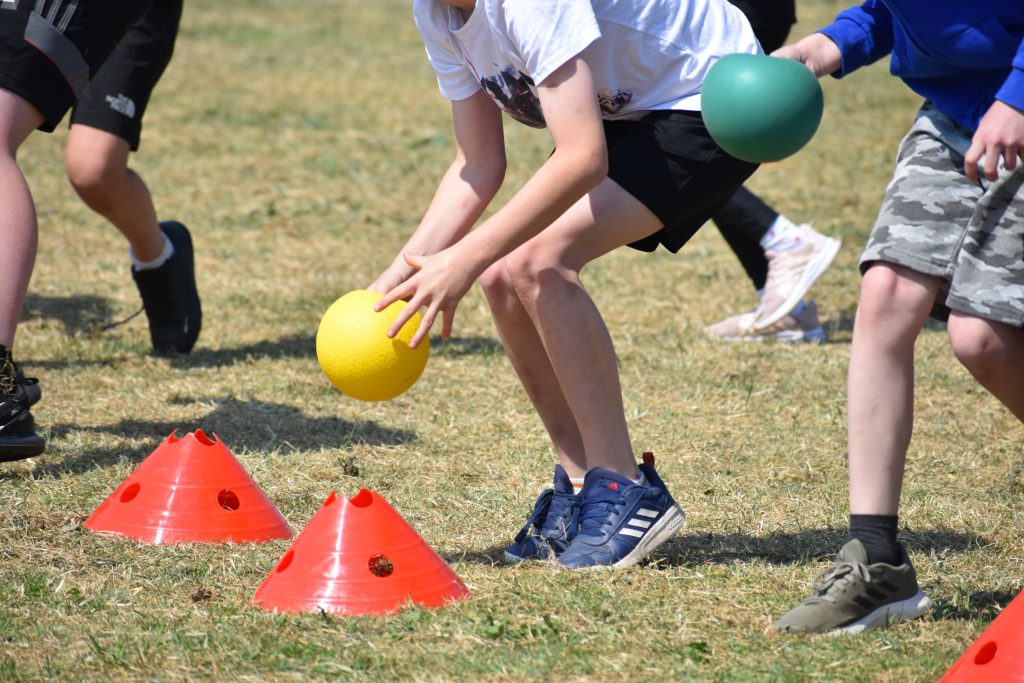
{"x": 1012, "y": 90}
{"x": 863, "y": 34}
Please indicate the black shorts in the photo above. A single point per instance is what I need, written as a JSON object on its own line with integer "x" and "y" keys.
{"x": 669, "y": 162}
{"x": 117, "y": 97}
{"x": 47, "y": 57}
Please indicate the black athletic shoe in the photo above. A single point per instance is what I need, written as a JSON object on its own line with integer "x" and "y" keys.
{"x": 27, "y": 389}
{"x": 170, "y": 297}
{"x": 18, "y": 438}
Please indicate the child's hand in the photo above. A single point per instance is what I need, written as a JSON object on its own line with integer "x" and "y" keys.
{"x": 1000, "y": 134}
{"x": 817, "y": 52}
{"x": 438, "y": 285}
{"x": 397, "y": 273}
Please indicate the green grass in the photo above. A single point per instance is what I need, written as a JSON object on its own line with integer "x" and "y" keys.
{"x": 300, "y": 142}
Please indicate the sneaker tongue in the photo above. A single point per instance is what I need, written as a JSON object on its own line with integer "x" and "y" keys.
{"x": 853, "y": 551}
{"x": 562, "y": 484}
{"x": 600, "y": 482}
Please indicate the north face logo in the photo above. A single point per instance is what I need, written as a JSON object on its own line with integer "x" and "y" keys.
{"x": 122, "y": 104}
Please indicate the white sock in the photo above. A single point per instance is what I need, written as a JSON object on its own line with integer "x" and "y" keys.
{"x": 163, "y": 258}
{"x": 784, "y": 234}
{"x": 577, "y": 484}
{"x": 642, "y": 481}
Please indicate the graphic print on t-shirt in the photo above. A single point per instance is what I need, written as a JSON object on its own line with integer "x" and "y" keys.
{"x": 513, "y": 91}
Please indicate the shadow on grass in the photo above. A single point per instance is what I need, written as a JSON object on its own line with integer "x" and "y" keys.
{"x": 686, "y": 550}
{"x": 290, "y": 346}
{"x": 241, "y": 425}
{"x": 691, "y": 550}
{"x": 466, "y": 346}
{"x": 980, "y": 606}
{"x": 77, "y": 314}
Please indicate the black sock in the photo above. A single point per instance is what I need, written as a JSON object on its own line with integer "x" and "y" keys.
{"x": 878, "y": 534}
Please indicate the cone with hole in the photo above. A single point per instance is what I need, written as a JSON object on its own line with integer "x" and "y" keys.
{"x": 358, "y": 556}
{"x": 190, "y": 489}
{"x": 998, "y": 654}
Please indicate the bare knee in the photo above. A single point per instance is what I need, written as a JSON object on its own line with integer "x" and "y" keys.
{"x": 94, "y": 177}
{"x": 532, "y": 270}
{"x": 894, "y": 303}
{"x": 977, "y": 344}
{"x": 496, "y": 283}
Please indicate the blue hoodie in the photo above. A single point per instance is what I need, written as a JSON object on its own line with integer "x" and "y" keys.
{"x": 960, "y": 54}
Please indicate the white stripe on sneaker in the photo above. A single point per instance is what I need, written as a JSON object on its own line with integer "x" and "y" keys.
{"x": 639, "y": 522}
{"x": 647, "y": 513}
{"x": 631, "y": 532}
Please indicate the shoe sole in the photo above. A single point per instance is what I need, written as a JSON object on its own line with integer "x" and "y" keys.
{"x": 21, "y": 446}
{"x": 814, "y": 270}
{"x": 911, "y": 608}
{"x": 663, "y": 529}
{"x": 817, "y": 335}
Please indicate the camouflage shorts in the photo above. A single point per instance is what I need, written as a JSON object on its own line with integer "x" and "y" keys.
{"x": 937, "y": 222}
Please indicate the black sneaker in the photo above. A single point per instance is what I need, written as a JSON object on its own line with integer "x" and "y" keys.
{"x": 18, "y": 438}
{"x": 170, "y": 297}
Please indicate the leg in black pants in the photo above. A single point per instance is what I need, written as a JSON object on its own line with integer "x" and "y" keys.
{"x": 746, "y": 221}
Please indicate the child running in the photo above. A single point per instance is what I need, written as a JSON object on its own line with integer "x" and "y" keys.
{"x": 617, "y": 85}
{"x": 49, "y": 49}
{"x": 948, "y": 241}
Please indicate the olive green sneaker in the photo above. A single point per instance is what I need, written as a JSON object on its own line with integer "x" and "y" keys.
{"x": 852, "y": 596}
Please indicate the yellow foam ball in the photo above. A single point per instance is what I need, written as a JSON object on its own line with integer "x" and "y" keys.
{"x": 358, "y": 357}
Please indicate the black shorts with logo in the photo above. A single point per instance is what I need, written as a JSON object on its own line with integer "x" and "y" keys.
{"x": 50, "y": 49}
{"x": 668, "y": 161}
{"x": 117, "y": 97}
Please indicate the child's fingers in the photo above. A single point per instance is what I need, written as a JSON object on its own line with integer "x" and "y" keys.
{"x": 403, "y": 317}
{"x": 971, "y": 158}
{"x": 424, "y": 329}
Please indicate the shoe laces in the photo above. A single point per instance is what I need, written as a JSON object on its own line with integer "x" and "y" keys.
{"x": 8, "y": 372}
{"x": 551, "y": 509}
{"x": 596, "y": 514}
{"x": 835, "y": 579}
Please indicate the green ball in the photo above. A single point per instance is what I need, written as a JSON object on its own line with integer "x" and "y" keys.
{"x": 760, "y": 108}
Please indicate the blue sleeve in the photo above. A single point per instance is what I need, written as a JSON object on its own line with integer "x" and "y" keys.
{"x": 1012, "y": 91}
{"x": 863, "y": 34}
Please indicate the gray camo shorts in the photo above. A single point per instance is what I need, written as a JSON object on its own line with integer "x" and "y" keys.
{"x": 937, "y": 222}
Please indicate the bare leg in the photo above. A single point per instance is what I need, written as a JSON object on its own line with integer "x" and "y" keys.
{"x": 575, "y": 345}
{"x": 18, "y": 228}
{"x": 97, "y": 166}
{"x": 994, "y": 354}
{"x": 894, "y": 304}
{"x": 530, "y": 361}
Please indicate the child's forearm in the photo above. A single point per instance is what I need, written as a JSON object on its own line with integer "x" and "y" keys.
{"x": 558, "y": 184}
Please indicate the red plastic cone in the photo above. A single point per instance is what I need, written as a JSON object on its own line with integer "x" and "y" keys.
{"x": 997, "y": 656}
{"x": 358, "y": 556}
{"x": 189, "y": 489}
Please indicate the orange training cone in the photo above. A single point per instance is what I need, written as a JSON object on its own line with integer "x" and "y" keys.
{"x": 358, "y": 556}
{"x": 189, "y": 489}
{"x": 996, "y": 656}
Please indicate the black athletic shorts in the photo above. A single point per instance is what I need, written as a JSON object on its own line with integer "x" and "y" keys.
{"x": 669, "y": 162}
{"x": 49, "y": 49}
{"x": 117, "y": 97}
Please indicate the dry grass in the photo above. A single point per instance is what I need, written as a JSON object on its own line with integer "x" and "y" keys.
{"x": 300, "y": 142}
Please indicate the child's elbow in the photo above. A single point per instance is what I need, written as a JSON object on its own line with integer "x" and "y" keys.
{"x": 594, "y": 167}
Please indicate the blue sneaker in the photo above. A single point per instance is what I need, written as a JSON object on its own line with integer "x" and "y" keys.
{"x": 552, "y": 524}
{"x": 621, "y": 522}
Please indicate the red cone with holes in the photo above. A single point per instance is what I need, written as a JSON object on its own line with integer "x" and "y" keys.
{"x": 189, "y": 489}
{"x": 998, "y": 655}
{"x": 358, "y": 556}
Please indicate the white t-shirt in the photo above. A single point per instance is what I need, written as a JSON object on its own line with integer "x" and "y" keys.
{"x": 644, "y": 54}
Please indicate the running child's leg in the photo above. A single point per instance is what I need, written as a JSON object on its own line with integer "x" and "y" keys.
{"x": 993, "y": 352}
{"x": 18, "y": 230}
